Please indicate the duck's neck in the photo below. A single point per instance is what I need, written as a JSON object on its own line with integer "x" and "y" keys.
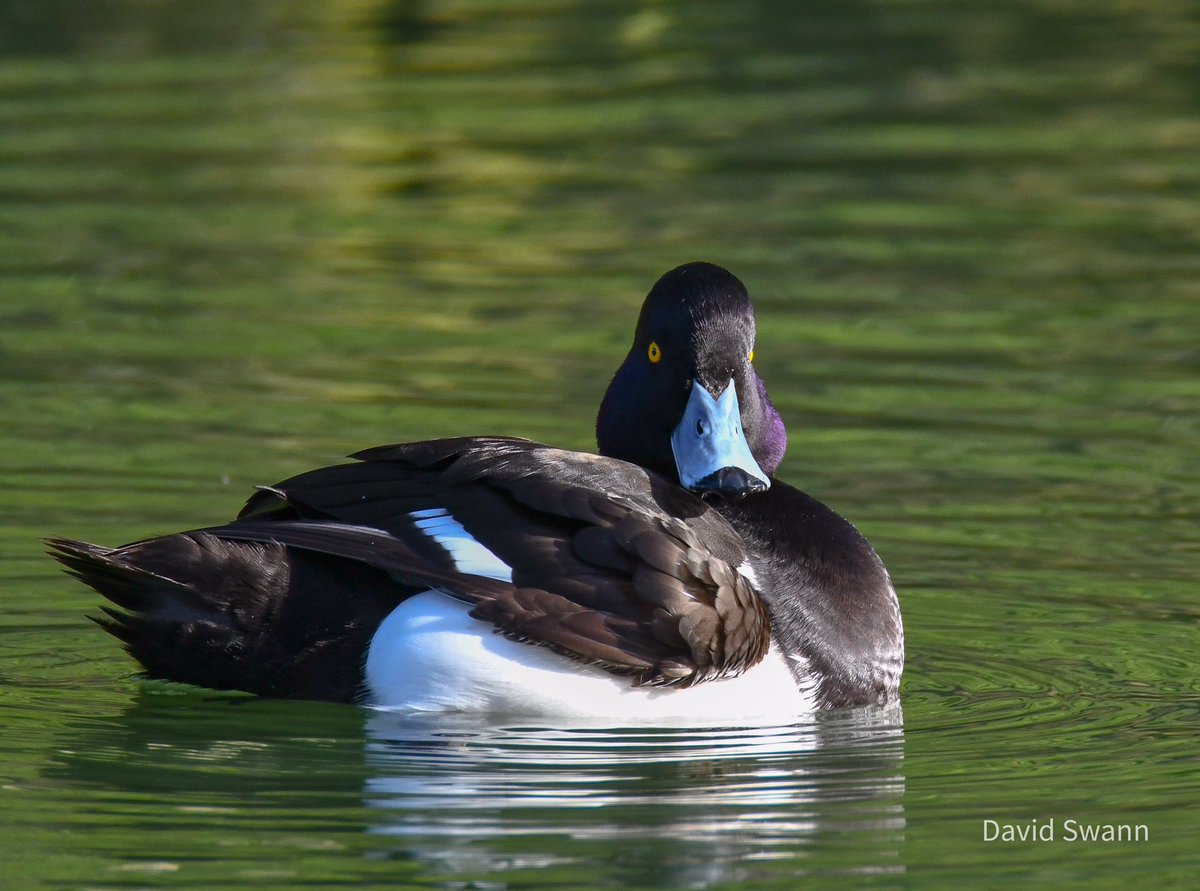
{"x": 832, "y": 604}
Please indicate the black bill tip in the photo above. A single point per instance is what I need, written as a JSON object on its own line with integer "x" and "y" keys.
{"x": 732, "y": 482}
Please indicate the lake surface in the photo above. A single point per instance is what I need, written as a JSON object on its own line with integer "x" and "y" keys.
{"x": 240, "y": 240}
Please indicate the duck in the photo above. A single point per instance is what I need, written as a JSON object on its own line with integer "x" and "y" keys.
{"x": 670, "y": 575}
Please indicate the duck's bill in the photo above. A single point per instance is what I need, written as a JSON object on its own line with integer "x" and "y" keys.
{"x": 711, "y": 452}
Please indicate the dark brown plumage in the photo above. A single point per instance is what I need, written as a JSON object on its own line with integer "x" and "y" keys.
{"x": 611, "y": 565}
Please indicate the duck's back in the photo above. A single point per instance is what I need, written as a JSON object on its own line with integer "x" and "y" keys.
{"x": 597, "y": 561}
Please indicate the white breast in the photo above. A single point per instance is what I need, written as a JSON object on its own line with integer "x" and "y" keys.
{"x": 429, "y": 655}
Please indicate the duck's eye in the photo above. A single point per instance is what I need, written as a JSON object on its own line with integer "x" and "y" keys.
{"x": 751, "y": 356}
{"x": 654, "y": 354}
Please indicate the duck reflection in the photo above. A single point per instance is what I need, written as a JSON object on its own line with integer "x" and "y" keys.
{"x": 465, "y": 802}
{"x": 659, "y": 807}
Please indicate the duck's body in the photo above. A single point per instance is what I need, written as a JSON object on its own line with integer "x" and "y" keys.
{"x": 500, "y": 575}
{"x": 434, "y": 657}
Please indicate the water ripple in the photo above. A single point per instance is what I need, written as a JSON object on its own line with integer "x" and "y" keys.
{"x": 725, "y": 798}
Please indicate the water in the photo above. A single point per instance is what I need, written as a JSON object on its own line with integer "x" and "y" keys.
{"x": 241, "y": 240}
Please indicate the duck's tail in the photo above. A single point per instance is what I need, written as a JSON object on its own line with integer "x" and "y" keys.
{"x": 233, "y": 615}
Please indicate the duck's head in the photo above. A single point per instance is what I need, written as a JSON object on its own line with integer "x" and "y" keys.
{"x": 686, "y": 402}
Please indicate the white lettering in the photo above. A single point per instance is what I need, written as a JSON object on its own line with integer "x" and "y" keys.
{"x": 1073, "y": 830}
{"x": 1012, "y": 832}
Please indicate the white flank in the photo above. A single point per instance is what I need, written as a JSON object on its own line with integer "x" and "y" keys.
{"x": 430, "y": 656}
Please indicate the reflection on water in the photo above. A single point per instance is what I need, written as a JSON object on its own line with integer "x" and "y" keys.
{"x": 686, "y": 807}
{"x": 481, "y": 802}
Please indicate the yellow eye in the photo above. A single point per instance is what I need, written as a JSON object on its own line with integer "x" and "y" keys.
{"x": 654, "y": 353}
{"x": 752, "y": 355}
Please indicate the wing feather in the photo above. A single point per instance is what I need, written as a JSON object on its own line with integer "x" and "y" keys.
{"x": 611, "y": 564}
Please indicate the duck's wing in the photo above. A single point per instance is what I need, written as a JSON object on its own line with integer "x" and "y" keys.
{"x": 596, "y": 558}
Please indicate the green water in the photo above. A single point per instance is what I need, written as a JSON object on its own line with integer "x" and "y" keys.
{"x": 239, "y": 240}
